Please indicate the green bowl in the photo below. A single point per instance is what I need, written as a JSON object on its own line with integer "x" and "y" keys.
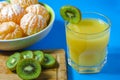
{"x": 20, "y": 43}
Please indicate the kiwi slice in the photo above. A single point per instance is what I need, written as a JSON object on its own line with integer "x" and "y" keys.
{"x": 28, "y": 69}
{"x": 39, "y": 56}
{"x": 70, "y": 14}
{"x": 8, "y": 1}
{"x": 27, "y": 54}
{"x": 13, "y": 60}
{"x": 49, "y": 61}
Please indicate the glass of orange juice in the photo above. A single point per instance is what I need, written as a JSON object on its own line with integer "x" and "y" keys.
{"x": 87, "y": 42}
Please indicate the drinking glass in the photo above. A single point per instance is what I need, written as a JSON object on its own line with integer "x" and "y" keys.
{"x": 87, "y": 52}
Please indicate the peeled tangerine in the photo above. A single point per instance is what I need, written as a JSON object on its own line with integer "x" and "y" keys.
{"x": 24, "y": 3}
{"x": 38, "y": 9}
{"x": 32, "y": 23}
{"x": 10, "y": 30}
{"x": 3, "y": 4}
{"x": 11, "y": 12}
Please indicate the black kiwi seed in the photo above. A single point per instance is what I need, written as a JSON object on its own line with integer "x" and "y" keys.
{"x": 70, "y": 14}
{"x": 49, "y": 61}
{"x": 39, "y": 56}
{"x": 28, "y": 69}
{"x": 12, "y": 61}
{"x": 27, "y": 54}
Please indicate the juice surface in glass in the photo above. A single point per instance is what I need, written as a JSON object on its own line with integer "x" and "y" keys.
{"x": 87, "y": 41}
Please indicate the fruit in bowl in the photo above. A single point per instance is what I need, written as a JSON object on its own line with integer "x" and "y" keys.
{"x": 24, "y": 3}
{"x": 11, "y": 12}
{"x": 22, "y": 27}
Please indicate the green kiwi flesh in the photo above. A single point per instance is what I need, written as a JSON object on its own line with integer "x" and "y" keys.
{"x": 70, "y": 14}
{"x": 13, "y": 60}
{"x": 28, "y": 69}
{"x": 27, "y": 54}
{"x": 49, "y": 61}
{"x": 39, "y": 56}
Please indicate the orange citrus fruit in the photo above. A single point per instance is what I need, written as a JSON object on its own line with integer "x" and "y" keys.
{"x": 3, "y": 4}
{"x": 10, "y": 30}
{"x": 32, "y": 23}
{"x": 38, "y": 9}
{"x": 11, "y": 12}
{"x": 24, "y": 3}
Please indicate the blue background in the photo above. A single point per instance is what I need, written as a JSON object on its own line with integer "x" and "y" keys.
{"x": 56, "y": 38}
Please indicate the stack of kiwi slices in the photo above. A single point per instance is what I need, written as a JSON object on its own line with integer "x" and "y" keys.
{"x": 70, "y": 13}
{"x": 28, "y": 64}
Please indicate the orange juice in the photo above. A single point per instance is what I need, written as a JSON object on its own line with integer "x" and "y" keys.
{"x": 87, "y": 41}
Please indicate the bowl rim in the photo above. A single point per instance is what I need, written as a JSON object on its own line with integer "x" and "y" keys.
{"x": 52, "y": 18}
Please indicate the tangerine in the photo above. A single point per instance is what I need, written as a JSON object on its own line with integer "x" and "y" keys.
{"x": 24, "y": 3}
{"x": 38, "y": 9}
{"x": 2, "y": 4}
{"x": 11, "y": 12}
{"x": 32, "y": 23}
{"x": 10, "y": 30}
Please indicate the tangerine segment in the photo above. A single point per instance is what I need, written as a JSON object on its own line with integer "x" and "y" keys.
{"x": 3, "y": 4}
{"x": 10, "y": 30}
{"x": 32, "y": 23}
{"x": 38, "y": 9}
{"x": 24, "y": 3}
{"x": 12, "y": 12}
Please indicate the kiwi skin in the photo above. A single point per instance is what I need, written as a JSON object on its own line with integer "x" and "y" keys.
{"x": 27, "y": 64}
